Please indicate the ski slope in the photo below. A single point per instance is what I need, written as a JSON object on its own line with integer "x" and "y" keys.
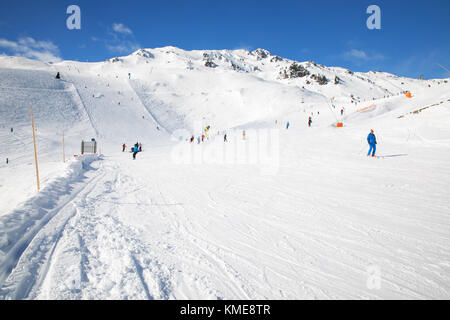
{"x": 310, "y": 217}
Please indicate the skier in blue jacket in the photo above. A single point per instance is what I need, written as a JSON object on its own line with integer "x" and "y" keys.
{"x": 372, "y": 140}
{"x": 135, "y": 151}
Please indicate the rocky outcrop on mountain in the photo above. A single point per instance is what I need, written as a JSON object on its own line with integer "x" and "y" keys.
{"x": 320, "y": 79}
{"x": 144, "y": 53}
{"x": 297, "y": 71}
{"x": 261, "y": 54}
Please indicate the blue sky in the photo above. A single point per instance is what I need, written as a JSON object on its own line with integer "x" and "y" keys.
{"x": 414, "y": 36}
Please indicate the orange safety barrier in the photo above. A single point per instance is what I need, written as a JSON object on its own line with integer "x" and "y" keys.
{"x": 408, "y": 95}
{"x": 366, "y": 108}
{"x": 339, "y": 125}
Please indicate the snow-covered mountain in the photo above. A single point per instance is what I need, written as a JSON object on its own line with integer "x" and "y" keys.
{"x": 180, "y": 87}
{"x": 315, "y": 227}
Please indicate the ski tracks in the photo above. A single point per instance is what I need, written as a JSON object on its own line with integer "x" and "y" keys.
{"x": 30, "y": 234}
{"x": 107, "y": 258}
{"x": 207, "y": 266}
{"x": 77, "y": 247}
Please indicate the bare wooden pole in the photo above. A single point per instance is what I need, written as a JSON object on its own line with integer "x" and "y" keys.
{"x": 35, "y": 152}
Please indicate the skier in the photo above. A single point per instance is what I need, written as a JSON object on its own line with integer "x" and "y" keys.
{"x": 225, "y": 138}
{"x": 123, "y": 147}
{"x": 203, "y": 137}
{"x": 140, "y": 147}
{"x": 342, "y": 111}
{"x": 192, "y": 139}
{"x": 7, "y": 160}
{"x": 243, "y": 135}
{"x": 135, "y": 151}
{"x": 129, "y": 75}
{"x": 58, "y": 76}
{"x": 287, "y": 125}
{"x": 309, "y": 122}
{"x": 372, "y": 140}
{"x": 12, "y": 130}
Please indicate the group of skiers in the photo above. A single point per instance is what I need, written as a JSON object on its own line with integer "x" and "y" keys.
{"x": 371, "y": 139}
{"x": 205, "y": 135}
{"x": 199, "y": 139}
{"x": 288, "y": 124}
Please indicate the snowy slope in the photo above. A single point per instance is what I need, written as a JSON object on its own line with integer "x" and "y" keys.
{"x": 313, "y": 220}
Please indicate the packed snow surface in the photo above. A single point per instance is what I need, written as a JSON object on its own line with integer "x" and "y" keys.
{"x": 297, "y": 213}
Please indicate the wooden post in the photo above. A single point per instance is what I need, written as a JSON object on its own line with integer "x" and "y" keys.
{"x": 35, "y": 152}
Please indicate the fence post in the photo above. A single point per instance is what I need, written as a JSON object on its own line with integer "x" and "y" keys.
{"x": 35, "y": 152}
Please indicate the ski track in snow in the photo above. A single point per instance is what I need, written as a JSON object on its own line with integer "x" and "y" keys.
{"x": 31, "y": 233}
{"x": 113, "y": 262}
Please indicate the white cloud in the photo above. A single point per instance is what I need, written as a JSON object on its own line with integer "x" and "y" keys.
{"x": 28, "y": 47}
{"x": 121, "y": 28}
{"x": 243, "y": 47}
{"x": 120, "y": 41}
{"x": 362, "y": 55}
{"x": 357, "y": 54}
{"x": 123, "y": 48}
